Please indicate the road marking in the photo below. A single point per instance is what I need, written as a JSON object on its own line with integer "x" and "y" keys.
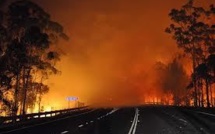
{"x": 114, "y": 110}
{"x": 111, "y": 112}
{"x": 135, "y": 126}
{"x": 175, "y": 117}
{"x": 183, "y": 120}
{"x": 64, "y": 132}
{"x": 205, "y": 113}
{"x": 80, "y": 125}
{"x": 103, "y": 116}
{"x": 134, "y": 122}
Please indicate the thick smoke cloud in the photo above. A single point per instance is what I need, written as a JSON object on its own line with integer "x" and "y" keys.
{"x": 113, "y": 46}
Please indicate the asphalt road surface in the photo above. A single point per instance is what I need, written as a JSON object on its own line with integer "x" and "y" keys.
{"x": 137, "y": 120}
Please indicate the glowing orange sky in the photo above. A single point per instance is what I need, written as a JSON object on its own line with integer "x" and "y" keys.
{"x": 113, "y": 46}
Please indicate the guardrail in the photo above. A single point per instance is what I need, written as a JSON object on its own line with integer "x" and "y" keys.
{"x": 22, "y": 118}
{"x": 153, "y": 103}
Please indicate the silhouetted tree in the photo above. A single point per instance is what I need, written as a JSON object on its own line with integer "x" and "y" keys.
{"x": 194, "y": 35}
{"x": 211, "y": 65}
{"x": 174, "y": 82}
{"x": 26, "y": 46}
{"x": 5, "y": 72}
{"x": 202, "y": 71}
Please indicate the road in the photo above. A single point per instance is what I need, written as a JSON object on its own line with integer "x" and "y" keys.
{"x": 137, "y": 120}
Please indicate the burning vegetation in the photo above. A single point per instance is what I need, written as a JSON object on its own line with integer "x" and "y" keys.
{"x": 194, "y": 31}
{"x": 118, "y": 55}
{"x": 27, "y": 55}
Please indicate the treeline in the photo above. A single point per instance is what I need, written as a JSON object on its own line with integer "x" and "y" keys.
{"x": 27, "y": 54}
{"x": 193, "y": 29}
{"x": 172, "y": 80}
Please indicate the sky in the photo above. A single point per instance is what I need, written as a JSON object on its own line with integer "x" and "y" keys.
{"x": 113, "y": 47}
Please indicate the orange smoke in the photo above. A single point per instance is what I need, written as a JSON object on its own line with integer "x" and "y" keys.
{"x": 113, "y": 47}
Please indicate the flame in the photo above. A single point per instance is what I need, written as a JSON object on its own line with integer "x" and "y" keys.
{"x": 109, "y": 59}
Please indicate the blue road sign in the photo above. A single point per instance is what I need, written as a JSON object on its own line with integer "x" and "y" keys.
{"x": 71, "y": 98}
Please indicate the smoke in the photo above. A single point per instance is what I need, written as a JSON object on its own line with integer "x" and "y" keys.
{"x": 113, "y": 47}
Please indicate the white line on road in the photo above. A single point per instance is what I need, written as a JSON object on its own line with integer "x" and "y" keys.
{"x": 205, "y": 113}
{"x": 175, "y": 117}
{"x": 64, "y": 132}
{"x": 135, "y": 126}
{"x": 134, "y": 122}
{"x": 114, "y": 110}
{"x": 183, "y": 120}
{"x": 111, "y": 112}
{"x": 80, "y": 125}
{"x": 103, "y": 116}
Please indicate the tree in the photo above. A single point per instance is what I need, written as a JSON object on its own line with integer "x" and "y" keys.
{"x": 174, "y": 82}
{"x": 202, "y": 71}
{"x": 5, "y": 74}
{"x": 193, "y": 34}
{"x": 211, "y": 65}
{"x": 27, "y": 46}
{"x": 34, "y": 30}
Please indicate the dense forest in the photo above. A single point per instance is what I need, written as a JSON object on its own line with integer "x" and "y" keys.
{"x": 27, "y": 54}
{"x": 193, "y": 29}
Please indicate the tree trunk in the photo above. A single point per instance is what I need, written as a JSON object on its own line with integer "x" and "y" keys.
{"x": 16, "y": 96}
{"x": 25, "y": 86}
{"x": 202, "y": 100}
{"x": 194, "y": 76}
{"x": 199, "y": 95}
{"x": 39, "y": 103}
{"x": 40, "y": 95}
{"x": 24, "y": 92}
{"x": 212, "y": 88}
{"x": 211, "y": 96}
{"x": 207, "y": 92}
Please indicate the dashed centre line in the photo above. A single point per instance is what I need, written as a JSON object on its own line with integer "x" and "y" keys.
{"x": 64, "y": 132}
{"x": 80, "y": 125}
{"x": 103, "y": 116}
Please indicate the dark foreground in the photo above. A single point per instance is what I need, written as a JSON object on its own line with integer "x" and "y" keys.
{"x": 138, "y": 120}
